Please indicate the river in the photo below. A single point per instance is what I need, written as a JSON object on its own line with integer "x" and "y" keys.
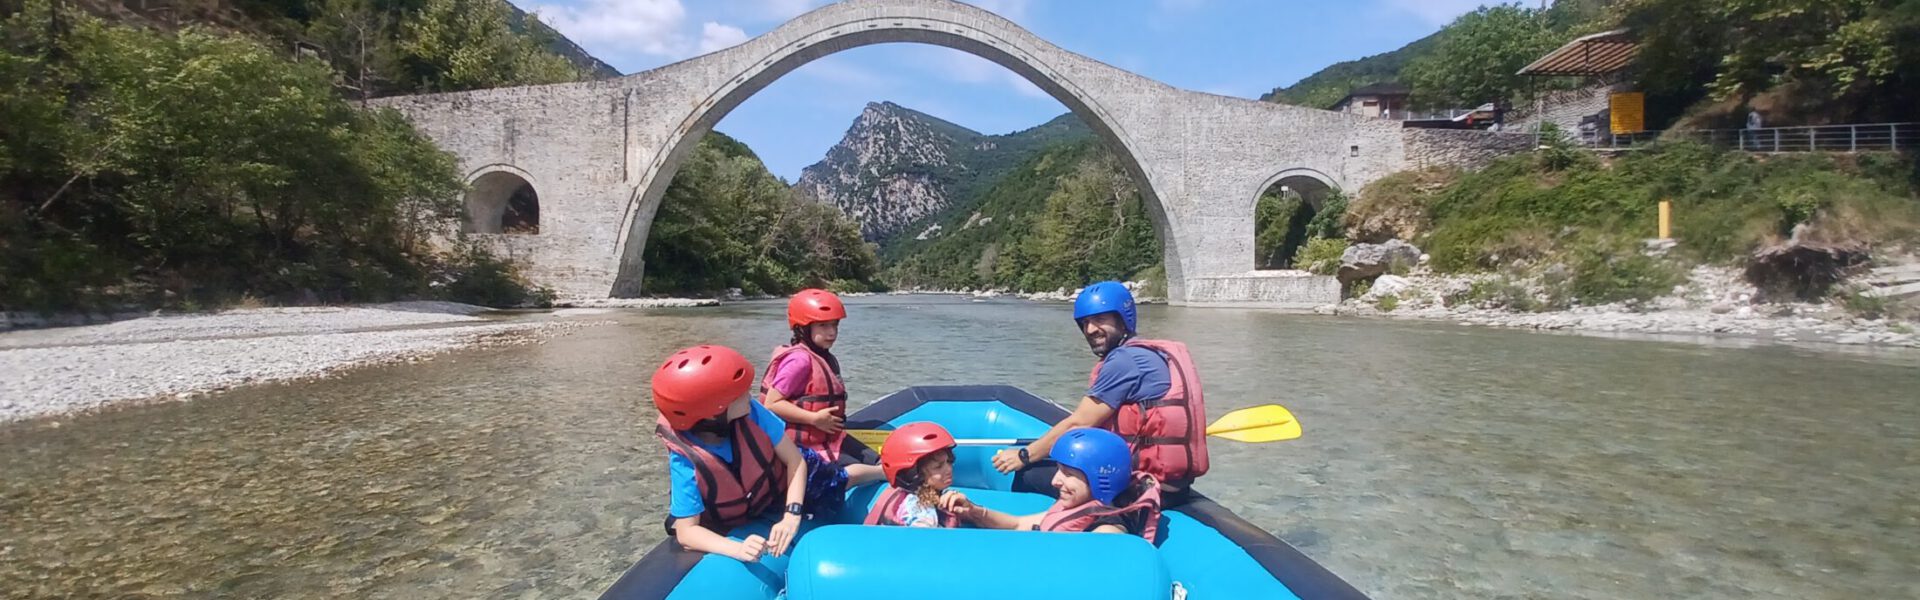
{"x": 1439, "y": 461}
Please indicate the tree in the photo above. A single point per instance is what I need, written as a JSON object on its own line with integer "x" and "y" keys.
{"x": 1479, "y": 58}
{"x": 357, "y": 35}
{"x": 455, "y": 45}
{"x": 1836, "y": 60}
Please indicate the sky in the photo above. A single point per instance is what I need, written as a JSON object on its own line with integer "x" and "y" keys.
{"x": 1241, "y": 48}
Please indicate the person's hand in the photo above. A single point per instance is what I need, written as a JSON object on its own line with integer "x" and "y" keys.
{"x": 1008, "y": 460}
{"x": 955, "y": 503}
{"x": 750, "y": 549}
{"x": 782, "y": 534}
{"x": 829, "y": 420}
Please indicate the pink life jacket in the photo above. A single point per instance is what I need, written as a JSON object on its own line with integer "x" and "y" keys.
{"x": 886, "y": 510}
{"x": 824, "y": 390}
{"x": 1168, "y": 435}
{"x": 1140, "y": 508}
{"x": 733, "y": 493}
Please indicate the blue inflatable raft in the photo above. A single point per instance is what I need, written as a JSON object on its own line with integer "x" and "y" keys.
{"x": 1205, "y": 551}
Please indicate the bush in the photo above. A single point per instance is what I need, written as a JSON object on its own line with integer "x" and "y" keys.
{"x": 1388, "y": 302}
{"x": 1603, "y": 272}
{"x": 473, "y": 275}
{"x": 1322, "y": 255}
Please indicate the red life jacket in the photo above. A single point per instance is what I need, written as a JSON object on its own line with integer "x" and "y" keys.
{"x": 1140, "y": 508}
{"x": 886, "y": 509}
{"x": 1168, "y": 435}
{"x": 824, "y": 389}
{"x": 736, "y": 492}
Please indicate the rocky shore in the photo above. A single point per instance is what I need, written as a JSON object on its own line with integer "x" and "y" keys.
{"x": 1715, "y": 301}
{"x": 48, "y": 372}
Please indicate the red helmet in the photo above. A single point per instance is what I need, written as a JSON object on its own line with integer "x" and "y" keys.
{"x": 907, "y": 445}
{"x": 698, "y": 383}
{"x": 813, "y": 306}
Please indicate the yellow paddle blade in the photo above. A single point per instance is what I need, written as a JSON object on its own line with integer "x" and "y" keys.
{"x": 873, "y": 438}
{"x": 1269, "y": 423}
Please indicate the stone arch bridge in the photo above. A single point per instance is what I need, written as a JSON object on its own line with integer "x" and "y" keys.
{"x": 599, "y": 155}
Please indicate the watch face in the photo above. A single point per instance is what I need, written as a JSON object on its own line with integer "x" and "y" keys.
{"x": 793, "y": 509}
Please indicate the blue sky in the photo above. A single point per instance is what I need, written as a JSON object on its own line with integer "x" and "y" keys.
{"x": 1232, "y": 47}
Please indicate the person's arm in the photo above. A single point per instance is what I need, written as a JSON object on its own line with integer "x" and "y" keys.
{"x": 988, "y": 518}
{"x": 694, "y": 536}
{"x": 1109, "y": 529}
{"x": 828, "y": 419}
{"x": 782, "y": 533}
{"x": 1090, "y": 413}
{"x": 787, "y": 410}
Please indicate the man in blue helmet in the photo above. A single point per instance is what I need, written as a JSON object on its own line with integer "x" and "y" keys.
{"x": 1146, "y": 391}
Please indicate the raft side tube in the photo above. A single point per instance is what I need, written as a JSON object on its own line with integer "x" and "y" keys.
{"x": 850, "y": 562}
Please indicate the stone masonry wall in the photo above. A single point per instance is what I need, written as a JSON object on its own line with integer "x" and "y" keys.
{"x": 1464, "y": 149}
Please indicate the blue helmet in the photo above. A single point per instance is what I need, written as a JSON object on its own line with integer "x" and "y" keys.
{"x": 1106, "y": 297}
{"x": 1100, "y": 455}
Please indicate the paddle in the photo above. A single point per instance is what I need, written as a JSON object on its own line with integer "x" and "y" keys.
{"x": 1256, "y": 425}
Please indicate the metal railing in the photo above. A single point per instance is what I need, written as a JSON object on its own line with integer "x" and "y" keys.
{"x": 1820, "y": 138}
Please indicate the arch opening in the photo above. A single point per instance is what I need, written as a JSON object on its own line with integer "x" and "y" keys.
{"x": 1287, "y": 214}
{"x": 846, "y": 35}
{"x": 502, "y": 202}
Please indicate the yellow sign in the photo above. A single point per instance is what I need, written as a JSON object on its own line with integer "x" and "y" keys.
{"x": 1629, "y": 112}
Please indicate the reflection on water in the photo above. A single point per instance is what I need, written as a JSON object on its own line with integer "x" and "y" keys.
{"x": 1438, "y": 461}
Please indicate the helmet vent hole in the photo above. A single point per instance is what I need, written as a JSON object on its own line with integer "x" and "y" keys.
{"x": 738, "y": 373}
{"x": 679, "y": 413}
{"x": 683, "y": 363}
{"x": 706, "y": 359}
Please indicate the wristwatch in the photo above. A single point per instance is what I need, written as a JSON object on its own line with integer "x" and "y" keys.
{"x": 794, "y": 508}
{"x": 1024, "y": 461}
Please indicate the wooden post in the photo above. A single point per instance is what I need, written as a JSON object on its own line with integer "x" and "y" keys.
{"x": 1666, "y": 220}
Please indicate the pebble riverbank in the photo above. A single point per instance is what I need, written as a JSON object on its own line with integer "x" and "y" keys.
{"x": 48, "y": 372}
{"x": 1714, "y": 302}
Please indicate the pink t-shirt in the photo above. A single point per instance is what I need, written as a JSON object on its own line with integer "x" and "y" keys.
{"x": 792, "y": 373}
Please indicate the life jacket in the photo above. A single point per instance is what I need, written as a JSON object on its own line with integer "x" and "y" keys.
{"x": 886, "y": 509}
{"x": 1139, "y": 506}
{"x": 824, "y": 389}
{"x": 1168, "y": 435}
{"x": 733, "y": 493}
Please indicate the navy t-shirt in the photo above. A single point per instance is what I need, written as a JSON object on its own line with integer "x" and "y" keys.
{"x": 1130, "y": 374}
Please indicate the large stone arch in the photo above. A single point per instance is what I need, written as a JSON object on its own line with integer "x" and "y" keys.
{"x": 759, "y": 62}
{"x": 604, "y": 151}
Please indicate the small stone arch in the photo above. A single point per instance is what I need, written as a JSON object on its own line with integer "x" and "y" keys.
{"x": 1283, "y": 207}
{"x": 502, "y": 199}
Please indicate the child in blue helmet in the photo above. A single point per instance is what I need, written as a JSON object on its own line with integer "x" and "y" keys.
{"x": 1098, "y": 491}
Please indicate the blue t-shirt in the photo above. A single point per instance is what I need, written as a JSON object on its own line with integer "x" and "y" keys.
{"x": 1131, "y": 374}
{"x": 686, "y": 487}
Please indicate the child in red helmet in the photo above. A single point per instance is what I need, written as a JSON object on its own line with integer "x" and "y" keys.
{"x": 918, "y": 461}
{"x": 803, "y": 384}
{"x": 730, "y": 460}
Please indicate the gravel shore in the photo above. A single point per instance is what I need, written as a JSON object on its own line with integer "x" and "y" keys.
{"x": 59, "y": 371}
{"x": 1714, "y": 302}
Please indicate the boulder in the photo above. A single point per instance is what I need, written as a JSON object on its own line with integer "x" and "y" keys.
{"x": 1366, "y": 261}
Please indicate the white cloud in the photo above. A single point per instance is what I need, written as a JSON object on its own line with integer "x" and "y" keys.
{"x": 837, "y": 69}
{"x": 967, "y": 68}
{"x": 1437, "y": 12}
{"x": 780, "y": 10}
{"x": 645, "y": 26}
{"x": 715, "y": 36}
